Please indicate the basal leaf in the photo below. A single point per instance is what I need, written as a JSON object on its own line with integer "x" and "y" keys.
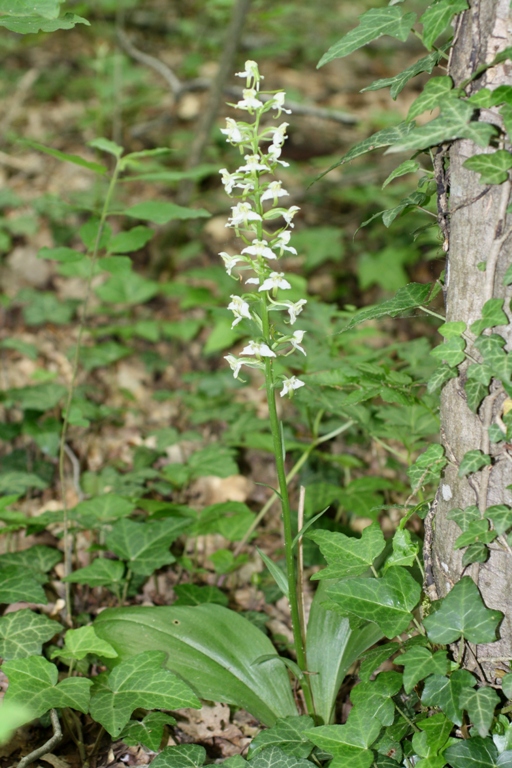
{"x": 372, "y": 25}
{"x": 347, "y": 556}
{"x": 149, "y": 731}
{"x": 398, "y": 82}
{"x": 139, "y": 681}
{"x": 16, "y": 583}
{"x": 472, "y": 753}
{"x": 22, "y": 633}
{"x": 163, "y": 212}
{"x": 473, "y": 461}
{"x": 437, "y": 18}
{"x": 182, "y": 756}
{"x": 445, "y": 692}
{"x": 387, "y": 602}
{"x": 101, "y": 573}
{"x": 419, "y": 662}
{"x": 25, "y": 25}
{"x": 288, "y": 735}
{"x": 348, "y": 744}
{"x": 79, "y": 642}
{"x": 493, "y": 168}
{"x": 145, "y": 546}
{"x": 33, "y": 682}
{"x": 409, "y": 297}
{"x": 462, "y": 613}
{"x": 435, "y": 91}
{"x": 375, "y": 698}
{"x": 480, "y": 705}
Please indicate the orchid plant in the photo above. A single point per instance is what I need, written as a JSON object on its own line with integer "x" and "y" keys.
{"x": 253, "y": 218}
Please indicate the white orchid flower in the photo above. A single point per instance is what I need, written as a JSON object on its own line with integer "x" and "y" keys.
{"x": 260, "y": 349}
{"x": 230, "y": 180}
{"x": 252, "y": 163}
{"x": 275, "y": 280}
{"x": 293, "y": 308}
{"x": 279, "y": 136}
{"x": 274, "y": 153}
{"x": 274, "y": 191}
{"x": 251, "y": 73}
{"x": 235, "y": 364}
{"x": 296, "y": 341}
{"x": 289, "y": 214}
{"x": 281, "y": 242}
{"x": 260, "y": 248}
{"x": 290, "y": 384}
{"x": 250, "y": 100}
{"x": 241, "y": 214}
{"x": 240, "y": 309}
{"x": 253, "y": 281}
{"x": 230, "y": 261}
{"x": 277, "y": 101}
{"x": 233, "y": 131}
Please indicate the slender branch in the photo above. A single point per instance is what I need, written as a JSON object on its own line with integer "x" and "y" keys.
{"x": 47, "y": 746}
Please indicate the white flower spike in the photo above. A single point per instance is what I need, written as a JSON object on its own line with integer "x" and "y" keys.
{"x": 290, "y": 384}
{"x": 241, "y": 214}
{"x": 249, "y": 101}
{"x": 260, "y": 248}
{"x": 252, "y": 163}
{"x": 296, "y": 341}
{"x": 232, "y": 131}
{"x": 258, "y": 349}
{"x": 240, "y": 309}
{"x": 251, "y": 73}
{"x": 235, "y": 364}
{"x": 230, "y": 261}
{"x": 274, "y": 191}
{"x": 281, "y": 242}
{"x": 278, "y": 103}
{"x": 289, "y": 214}
{"x": 275, "y": 280}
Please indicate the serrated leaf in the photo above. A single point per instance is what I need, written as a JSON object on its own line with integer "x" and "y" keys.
{"x": 22, "y": 633}
{"x": 347, "y": 556}
{"x": 408, "y": 166}
{"x": 372, "y": 25}
{"x": 419, "y": 662}
{"x": 473, "y": 461}
{"x": 435, "y": 91}
{"x": 501, "y": 517}
{"x": 445, "y": 692}
{"x": 33, "y": 682}
{"x": 162, "y": 212}
{"x": 348, "y": 744}
{"x": 462, "y": 613}
{"x": 398, "y": 82}
{"x": 409, "y": 297}
{"x": 404, "y": 550}
{"x": 16, "y": 583}
{"x": 472, "y": 753}
{"x": 476, "y": 532}
{"x": 493, "y": 168}
{"x": 182, "y": 756}
{"x": 287, "y": 734}
{"x": 130, "y": 241}
{"x": 428, "y": 466}
{"x": 464, "y": 517}
{"x": 387, "y": 602}
{"x": 480, "y": 705}
{"x": 437, "y": 17}
{"x": 139, "y": 681}
{"x": 101, "y": 573}
{"x": 375, "y": 698}
{"x": 145, "y": 546}
{"x": 149, "y": 731}
{"x": 79, "y": 642}
{"x": 451, "y": 351}
{"x": 492, "y": 315}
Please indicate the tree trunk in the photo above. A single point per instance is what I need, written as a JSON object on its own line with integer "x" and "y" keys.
{"x": 479, "y": 231}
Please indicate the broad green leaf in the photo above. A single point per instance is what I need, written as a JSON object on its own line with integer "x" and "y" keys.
{"x": 37, "y": 558}
{"x": 434, "y": 734}
{"x": 231, "y": 519}
{"x": 480, "y": 705}
{"x": 475, "y": 393}
{"x": 149, "y": 731}
{"x": 23, "y": 347}
{"x": 495, "y": 358}
{"x": 11, "y": 717}
{"x": 452, "y": 123}
{"x": 75, "y": 159}
{"x": 218, "y": 664}
{"x": 348, "y": 744}
{"x": 372, "y": 660}
{"x": 445, "y": 692}
{"x": 20, "y": 482}
{"x": 213, "y": 460}
{"x": 25, "y": 25}
{"x": 79, "y": 642}
{"x": 33, "y": 682}
{"x": 192, "y": 594}
{"x": 462, "y": 613}
{"x": 162, "y": 212}
{"x": 101, "y": 573}
{"x": 449, "y": 330}
{"x": 387, "y": 602}
{"x": 475, "y": 553}
{"x": 275, "y": 757}
{"x": 48, "y": 9}
{"x": 473, "y": 461}
{"x": 40, "y": 397}
{"x": 62, "y": 255}
{"x": 451, "y": 351}
{"x": 287, "y": 734}
{"x": 145, "y": 546}
{"x": 182, "y": 756}
{"x": 492, "y": 314}
{"x": 16, "y": 583}
{"x": 435, "y": 91}
{"x": 375, "y": 698}
{"x": 372, "y": 25}
{"x": 398, "y": 82}
{"x": 493, "y": 168}
{"x": 428, "y": 466}
{"x": 501, "y": 517}
{"x": 101, "y": 510}
{"x": 419, "y": 662}
{"x": 106, "y": 145}
{"x": 139, "y": 681}
{"x": 440, "y": 376}
{"x": 332, "y": 648}
{"x": 102, "y": 355}
{"x": 409, "y": 297}
{"x": 477, "y": 531}
{"x": 131, "y": 288}
{"x": 22, "y": 633}
{"x": 346, "y": 555}
{"x": 132, "y": 240}
{"x": 464, "y": 517}
{"x": 437, "y": 17}
{"x": 473, "y": 753}
{"x": 404, "y": 550}
{"x": 408, "y": 166}
{"x": 116, "y": 265}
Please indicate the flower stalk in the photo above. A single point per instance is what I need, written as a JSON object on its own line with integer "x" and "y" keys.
{"x": 253, "y": 218}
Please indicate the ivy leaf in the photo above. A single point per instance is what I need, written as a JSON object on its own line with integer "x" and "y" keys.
{"x": 408, "y": 166}
{"x": 38, "y": 558}
{"x": 288, "y": 735}
{"x": 404, "y": 550}
{"x": 445, "y": 692}
{"x": 101, "y": 573}
{"x": 372, "y": 25}
{"x": 440, "y": 376}
{"x": 387, "y": 602}
{"x": 16, "y": 583}
{"x": 473, "y": 753}
{"x": 434, "y": 734}
{"x": 493, "y": 168}
{"x": 428, "y": 466}
{"x": 22, "y": 633}
{"x": 140, "y": 681}
{"x": 419, "y": 663}
{"x": 462, "y": 613}
{"x": 33, "y": 683}
{"x": 148, "y": 731}
{"x": 480, "y": 706}
{"x": 101, "y": 510}
{"x": 79, "y": 642}
{"x": 451, "y": 351}
{"x": 372, "y": 660}
{"x": 448, "y": 330}
{"x": 348, "y": 744}
{"x": 476, "y": 532}
{"x": 375, "y": 698}
{"x": 398, "y": 82}
{"x": 347, "y": 556}
{"x": 494, "y": 357}
{"x": 437, "y": 17}
{"x": 162, "y": 212}
{"x": 182, "y": 756}
{"x": 192, "y": 594}
{"x": 475, "y": 553}
{"x": 475, "y": 393}
{"x": 435, "y": 91}
{"x": 145, "y": 546}
{"x": 492, "y": 312}
{"x": 464, "y": 517}
{"x": 409, "y": 297}
{"x": 501, "y": 517}
{"x": 473, "y": 461}
{"x": 275, "y": 757}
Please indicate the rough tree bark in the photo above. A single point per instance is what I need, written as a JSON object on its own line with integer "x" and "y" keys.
{"x": 477, "y": 230}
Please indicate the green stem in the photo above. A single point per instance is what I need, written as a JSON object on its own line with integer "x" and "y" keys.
{"x": 275, "y": 427}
